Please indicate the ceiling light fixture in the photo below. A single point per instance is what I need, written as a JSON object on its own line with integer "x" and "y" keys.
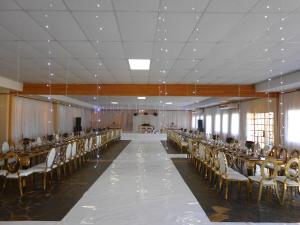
{"x": 114, "y": 103}
{"x": 141, "y": 98}
{"x": 169, "y": 103}
{"x": 139, "y": 64}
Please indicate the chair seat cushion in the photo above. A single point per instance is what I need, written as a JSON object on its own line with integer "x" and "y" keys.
{"x": 235, "y": 176}
{"x": 289, "y": 182}
{"x": 265, "y": 182}
{"x": 185, "y": 144}
{"x": 22, "y": 173}
{"x": 3, "y": 172}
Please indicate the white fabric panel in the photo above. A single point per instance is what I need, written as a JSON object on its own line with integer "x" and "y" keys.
{"x": 149, "y": 119}
{"x": 67, "y": 115}
{"x": 290, "y": 101}
{"x": 124, "y": 119}
{"x": 253, "y": 106}
{"x": 30, "y": 118}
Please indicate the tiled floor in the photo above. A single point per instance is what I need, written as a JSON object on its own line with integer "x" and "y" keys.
{"x": 143, "y": 186}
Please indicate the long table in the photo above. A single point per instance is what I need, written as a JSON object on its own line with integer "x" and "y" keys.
{"x": 237, "y": 155}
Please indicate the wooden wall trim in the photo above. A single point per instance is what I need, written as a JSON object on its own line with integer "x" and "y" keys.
{"x": 213, "y": 90}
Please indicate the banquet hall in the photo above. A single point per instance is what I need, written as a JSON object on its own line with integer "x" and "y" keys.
{"x": 149, "y": 112}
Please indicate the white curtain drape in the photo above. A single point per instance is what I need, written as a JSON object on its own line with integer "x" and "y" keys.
{"x": 67, "y": 115}
{"x": 290, "y": 119}
{"x": 30, "y": 118}
{"x": 263, "y": 105}
{"x": 124, "y": 119}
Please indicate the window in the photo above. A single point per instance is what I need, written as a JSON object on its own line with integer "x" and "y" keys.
{"x": 217, "y": 123}
{"x": 225, "y": 124}
{"x": 260, "y": 128}
{"x": 195, "y": 119}
{"x": 194, "y": 122}
{"x": 235, "y": 124}
{"x": 293, "y": 126}
{"x": 208, "y": 124}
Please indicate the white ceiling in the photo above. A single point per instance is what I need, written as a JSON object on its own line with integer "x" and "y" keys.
{"x": 213, "y": 41}
{"x": 131, "y": 102}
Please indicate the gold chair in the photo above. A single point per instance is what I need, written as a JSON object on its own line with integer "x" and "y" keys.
{"x": 295, "y": 154}
{"x": 266, "y": 180}
{"x": 291, "y": 178}
{"x": 227, "y": 174}
{"x": 13, "y": 171}
{"x": 46, "y": 167}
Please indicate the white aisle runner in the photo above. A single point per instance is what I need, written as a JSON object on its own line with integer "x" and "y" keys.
{"x": 142, "y": 186}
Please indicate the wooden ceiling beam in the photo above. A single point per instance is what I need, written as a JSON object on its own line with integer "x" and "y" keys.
{"x": 211, "y": 90}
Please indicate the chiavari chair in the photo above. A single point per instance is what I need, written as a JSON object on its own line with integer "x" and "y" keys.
{"x": 291, "y": 179}
{"x": 266, "y": 180}
{"x": 227, "y": 174}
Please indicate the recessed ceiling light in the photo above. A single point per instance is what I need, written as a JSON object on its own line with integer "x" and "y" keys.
{"x": 139, "y": 64}
{"x": 169, "y": 103}
{"x": 98, "y": 5}
{"x": 141, "y": 98}
{"x": 114, "y": 103}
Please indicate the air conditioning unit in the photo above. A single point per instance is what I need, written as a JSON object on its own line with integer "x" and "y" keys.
{"x": 229, "y": 106}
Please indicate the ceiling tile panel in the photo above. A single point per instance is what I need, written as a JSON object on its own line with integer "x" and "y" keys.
{"x": 89, "y": 5}
{"x": 79, "y": 49}
{"x": 22, "y": 25}
{"x": 137, "y": 26}
{"x": 57, "y": 28}
{"x": 136, "y": 5}
{"x": 214, "y": 26}
{"x": 231, "y": 5}
{"x": 99, "y": 26}
{"x": 175, "y": 26}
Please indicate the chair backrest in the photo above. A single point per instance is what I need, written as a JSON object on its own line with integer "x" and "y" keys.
{"x": 50, "y": 158}
{"x": 294, "y": 154}
{"x": 74, "y": 147}
{"x": 264, "y": 167}
{"x": 86, "y": 145}
{"x": 91, "y": 144}
{"x": 39, "y": 141}
{"x": 222, "y": 163}
{"x": 292, "y": 169}
{"x": 69, "y": 151}
{"x": 201, "y": 151}
{"x": 12, "y": 162}
{"x": 5, "y": 147}
{"x": 283, "y": 154}
{"x": 273, "y": 152}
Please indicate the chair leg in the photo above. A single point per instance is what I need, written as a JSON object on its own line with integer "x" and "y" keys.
{"x": 260, "y": 192}
{"x": 44, "y": 180}
{"x": 226, "y": 189}
{"x": 20, "y": 186}
{"x": 276, "y": 191}
{"x": 4, "y": 184}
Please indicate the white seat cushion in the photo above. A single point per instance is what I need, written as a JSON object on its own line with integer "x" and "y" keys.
{"x": 235, "y": 176}
{"x": 289, "y": 182}
{"x": 184, "y": 143}
{"x": 22, "y": 173}
{"x": 3, "y": 172}
{"x": 39, "y": 169}
{"x": 265, "y": 182}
